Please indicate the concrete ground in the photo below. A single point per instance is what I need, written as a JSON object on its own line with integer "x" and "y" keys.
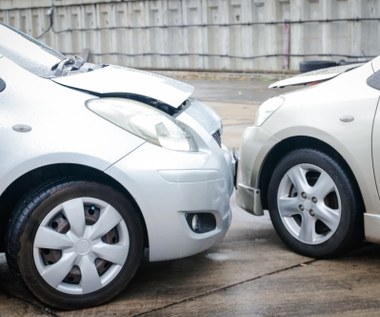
{"x": 249, "y": 273}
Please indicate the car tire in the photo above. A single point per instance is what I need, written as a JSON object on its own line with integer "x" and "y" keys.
{"x": 313, "y": 204}
{"x": 75, "y": 243}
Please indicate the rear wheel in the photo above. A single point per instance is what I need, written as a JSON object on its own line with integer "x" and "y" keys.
{"x": 75, "y": 243}
{"x": 313, "y": 204}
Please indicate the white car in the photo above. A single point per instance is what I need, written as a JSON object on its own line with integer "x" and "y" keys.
{"x": 98, "y": 164}
{"x": 312, "y": 159}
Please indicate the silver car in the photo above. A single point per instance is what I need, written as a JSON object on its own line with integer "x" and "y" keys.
{"x": 98, "y": 164}
{"x": 313, "y": 160}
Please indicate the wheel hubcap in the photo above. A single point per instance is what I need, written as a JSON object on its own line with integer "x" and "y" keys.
{"x": 81, "y": 245}
{"x": 309, "y": 204}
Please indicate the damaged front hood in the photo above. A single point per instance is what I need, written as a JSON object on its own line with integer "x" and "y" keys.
{"x": 315, "y": 76}
{"x": 121, "y": 80}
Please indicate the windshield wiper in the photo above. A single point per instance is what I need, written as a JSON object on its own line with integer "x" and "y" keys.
{"x": 67, "y": 65}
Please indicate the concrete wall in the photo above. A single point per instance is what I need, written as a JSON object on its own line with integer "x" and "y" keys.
{"x": 223, "y": 35}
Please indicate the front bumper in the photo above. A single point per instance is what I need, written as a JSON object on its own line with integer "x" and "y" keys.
{"x": 256, "y": 144}
{"x": 249, "y": 199}
{"x": 168, "y": 186}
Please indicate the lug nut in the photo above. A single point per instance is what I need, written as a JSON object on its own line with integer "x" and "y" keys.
{"x": 312, "y": 213}
{"x": 314, "y": 200}
{"x": 303, "y": 195}
{"x": 301, "y": 207}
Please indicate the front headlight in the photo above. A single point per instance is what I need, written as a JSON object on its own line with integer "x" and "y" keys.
{"x": 267, "y": 108}
{"x": 145, "y": 122}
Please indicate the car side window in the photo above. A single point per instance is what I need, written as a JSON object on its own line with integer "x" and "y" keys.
{"x": 374, "y": 80}
{"x": 2, "y": 85}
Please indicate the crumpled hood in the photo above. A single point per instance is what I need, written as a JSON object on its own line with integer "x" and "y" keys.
{"x": 115, "y": 79}
{"x": 315, "y": 76}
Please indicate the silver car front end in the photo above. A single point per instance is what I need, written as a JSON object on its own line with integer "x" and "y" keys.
{"x": 184, "y": 196}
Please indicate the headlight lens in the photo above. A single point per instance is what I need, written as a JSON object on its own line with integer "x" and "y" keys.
{"x": 267, "y": 109}
{"x": 145, "y": 122}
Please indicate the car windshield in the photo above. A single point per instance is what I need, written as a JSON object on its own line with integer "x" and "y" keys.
{"x": 28, "y": 53}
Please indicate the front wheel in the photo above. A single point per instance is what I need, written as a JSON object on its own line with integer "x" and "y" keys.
{"x": 75, "y": 243}
{"x": 313, "y": 204}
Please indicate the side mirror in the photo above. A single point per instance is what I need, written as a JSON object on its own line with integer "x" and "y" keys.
{"x": 2, "y": 85}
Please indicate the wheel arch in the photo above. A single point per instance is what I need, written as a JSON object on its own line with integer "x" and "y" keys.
{"x": 294, "y": 143}
{"x": 42, "y": 175}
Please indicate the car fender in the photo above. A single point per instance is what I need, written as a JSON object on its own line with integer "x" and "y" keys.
{"x": 343, "y": 126}
{"x": 67, "y": 132}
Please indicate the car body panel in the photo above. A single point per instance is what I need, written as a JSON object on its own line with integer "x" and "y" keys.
{"x": 129, "y": 81}
{"x": 252, "y": 154}
{"x": 371, "y": 226}
{"x": 315, "y": 76}
{"x": 376, "y": 64}
{"x": 199, "y": 182}
{"x": 39, "y": 58}
{"x": 46, "y": 123}
{"x": 100, "y": 167}
{"x": 376, "y": 147}
{"x": 347, "y": 125}
{"x": 61, "y": 139}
